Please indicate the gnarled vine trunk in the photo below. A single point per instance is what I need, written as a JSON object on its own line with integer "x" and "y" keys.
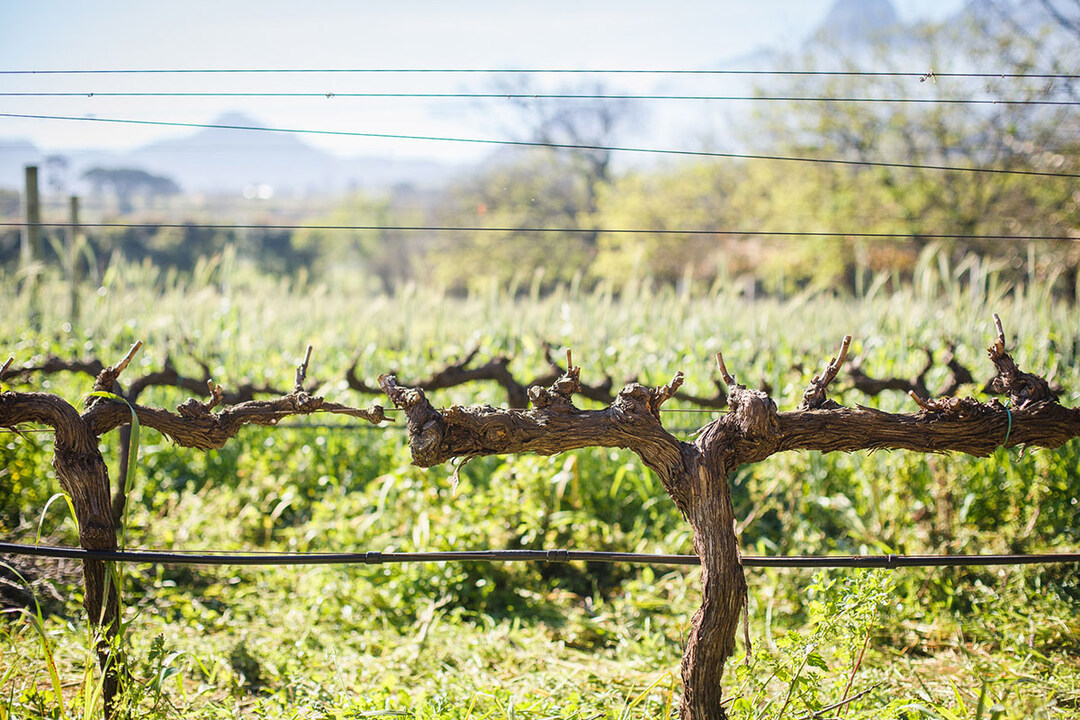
{"x": 82, "y": 473}
{"x": 711, "y": 640}
{"x": 696, "y": 475}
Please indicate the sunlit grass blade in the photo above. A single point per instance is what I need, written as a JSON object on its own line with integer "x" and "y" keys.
{"x": 10, "y": 672}
{"x": 626, "y": 712}
{"x": 41, "y": 520}
{"x": 37, "y": 621}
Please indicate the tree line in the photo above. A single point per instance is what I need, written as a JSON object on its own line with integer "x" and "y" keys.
{"x": 585, "y": 192}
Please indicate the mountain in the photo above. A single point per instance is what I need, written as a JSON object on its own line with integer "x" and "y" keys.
{"x": 226, "y": 161}
{"x": 854, "y": 21}
{"x": 15, "y": 154}
{"x": 219, "y": 159}
{"x": 850, "y": 28}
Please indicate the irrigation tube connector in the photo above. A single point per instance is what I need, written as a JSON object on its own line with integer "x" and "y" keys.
{"x": 552, "y": 556}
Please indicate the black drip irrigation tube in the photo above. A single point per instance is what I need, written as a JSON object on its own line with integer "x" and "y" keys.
{"x": 552, "y": 556}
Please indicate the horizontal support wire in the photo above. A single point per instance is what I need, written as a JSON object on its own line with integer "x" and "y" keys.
{"x": 541, "y": 96}
{"x": 538, "y": 144}
{"x": 922, "y": 76}
{"x": 381, "y": 558}
{"x": 363, "y": 427}
{"x": 563, "y": 230}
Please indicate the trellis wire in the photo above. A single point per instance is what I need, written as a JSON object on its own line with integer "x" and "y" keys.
{"x": 539, "y": 144}
{"x": 919, "y": 75}
{"x": 330, "y": 95}
{"x": 334, "y": 426}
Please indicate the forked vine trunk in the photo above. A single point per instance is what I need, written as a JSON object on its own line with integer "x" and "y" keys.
{"x": 696, "y": 475}
{"x": 82, "y": 473}
{"x": 711, "y": 640}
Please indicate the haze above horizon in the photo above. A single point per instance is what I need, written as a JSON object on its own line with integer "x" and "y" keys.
{"x": 123, "y": 34}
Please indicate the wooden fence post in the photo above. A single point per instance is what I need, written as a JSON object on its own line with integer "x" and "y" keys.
{"x": 74, "y": 263}
{"x": 31, "y": 240}
{"x": 31, "y": 243}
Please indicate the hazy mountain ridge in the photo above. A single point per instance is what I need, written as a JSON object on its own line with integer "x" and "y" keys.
{"x": 221, "y": 160}
{"x": 857, "y": 21}
{"x": 226, "y": 161}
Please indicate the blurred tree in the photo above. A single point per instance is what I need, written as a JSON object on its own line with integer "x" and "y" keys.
{"x": 1005, "y": 135}
{"x": 176, "y": 248}
{"x": 386, "y": 256}
{"x": 590, "y": 123}
{"x": 56, "y": 173}
{"x": 682, "y": 197}
{"x": 128, "y": 183}
{"x": 524, "y": 189}
{"x": 517, "y": 192}
{"x": 279, "y": 251}
{"x": 1029, "y": 25}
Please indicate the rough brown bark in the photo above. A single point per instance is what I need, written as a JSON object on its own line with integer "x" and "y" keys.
{"x": 82, "y": 473}
{"x": 168, "y": 376}
{"x": 696, "y": 474}
{"x": 517, "y": 393}
{"x": 459, "y": 373}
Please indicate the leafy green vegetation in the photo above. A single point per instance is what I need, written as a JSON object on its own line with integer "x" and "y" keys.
{"x": 471, "y": 640}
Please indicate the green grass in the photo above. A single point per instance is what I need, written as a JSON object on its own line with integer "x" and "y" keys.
{"x": 469, "y": 640}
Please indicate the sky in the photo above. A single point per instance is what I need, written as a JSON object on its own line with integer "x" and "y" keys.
{"x": 577, "y": 34}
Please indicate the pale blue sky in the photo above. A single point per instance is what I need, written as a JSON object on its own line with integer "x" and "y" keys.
{"x": 56, "y": 34}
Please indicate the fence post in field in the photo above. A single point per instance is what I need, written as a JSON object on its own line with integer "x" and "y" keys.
{"x": 74, "y": 264}
{"x": 31, "y": 241}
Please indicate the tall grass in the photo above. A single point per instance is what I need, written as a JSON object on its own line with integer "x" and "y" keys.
{"x": 470, "y": 641}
